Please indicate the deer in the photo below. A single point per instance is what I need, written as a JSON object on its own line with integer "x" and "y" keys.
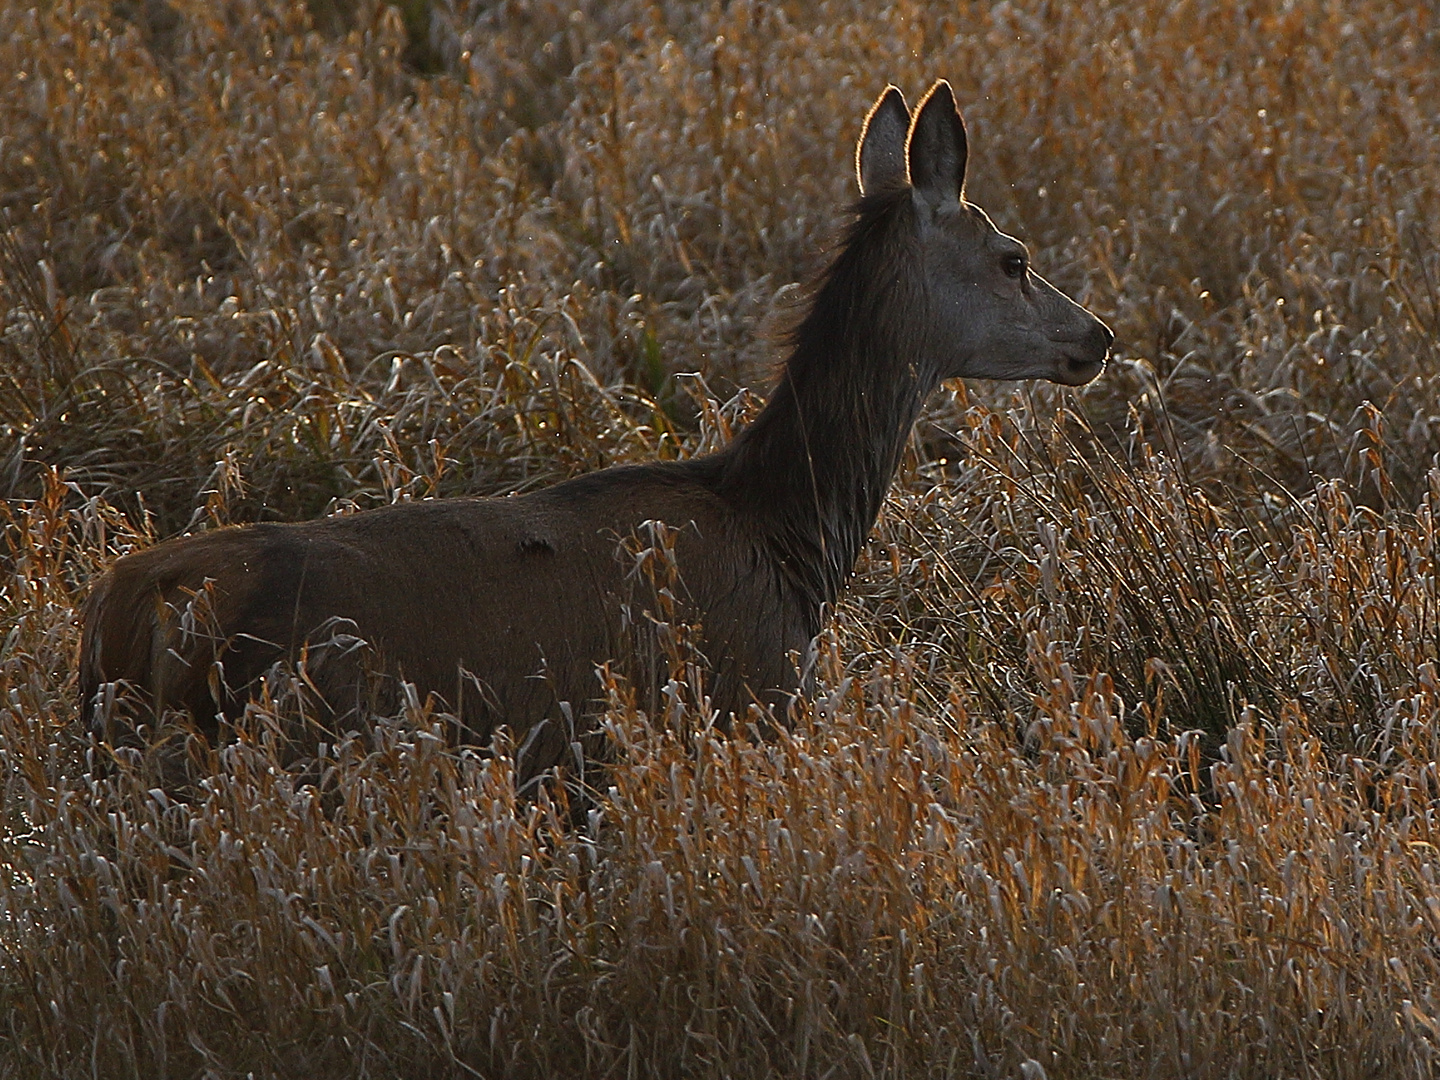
{"x": 504, "y": 609}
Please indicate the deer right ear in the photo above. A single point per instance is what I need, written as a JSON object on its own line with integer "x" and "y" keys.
{"x": 938, "y": 148}
{"x": 880, "y": 154}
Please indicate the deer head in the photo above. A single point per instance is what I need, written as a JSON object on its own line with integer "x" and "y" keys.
{"x": 986, "y": 312}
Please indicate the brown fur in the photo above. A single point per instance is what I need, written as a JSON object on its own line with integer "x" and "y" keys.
{"x": 505, "y": 607}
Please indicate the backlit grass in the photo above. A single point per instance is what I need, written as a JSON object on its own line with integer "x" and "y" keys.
{"x": 1123, "y": 757}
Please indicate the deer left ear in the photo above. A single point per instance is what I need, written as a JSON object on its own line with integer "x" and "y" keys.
{"x": 880, "y": 153}
{"x": 937, "y": 148}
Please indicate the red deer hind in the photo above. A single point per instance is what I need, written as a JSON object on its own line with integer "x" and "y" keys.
{"x": 504, "y": 607}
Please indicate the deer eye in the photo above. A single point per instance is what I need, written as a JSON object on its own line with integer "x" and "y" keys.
{"x": 1013, "y": 265}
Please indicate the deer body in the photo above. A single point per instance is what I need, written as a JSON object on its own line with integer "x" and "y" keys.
{"x": 505, "y": 607}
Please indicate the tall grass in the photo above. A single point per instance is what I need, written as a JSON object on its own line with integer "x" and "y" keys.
{"x": 1122, "y": 760}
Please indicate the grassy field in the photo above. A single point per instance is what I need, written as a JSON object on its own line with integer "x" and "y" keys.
{"x": 1124, "y": 757}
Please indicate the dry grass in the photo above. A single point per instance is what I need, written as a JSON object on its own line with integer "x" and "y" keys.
{"x": 1124, "y": 758}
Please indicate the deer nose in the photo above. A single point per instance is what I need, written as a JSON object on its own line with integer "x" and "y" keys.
{"x": 1105, "y": 337}
{"x": 1087, "y": 359}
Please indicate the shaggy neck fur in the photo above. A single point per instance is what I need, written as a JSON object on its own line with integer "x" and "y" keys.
{"x": 815, "y": 465}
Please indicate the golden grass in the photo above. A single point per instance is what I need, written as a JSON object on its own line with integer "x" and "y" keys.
{"x": 1123, "y": 761}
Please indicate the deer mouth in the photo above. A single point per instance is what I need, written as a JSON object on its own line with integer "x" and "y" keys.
{"x": 1077, "y": 371}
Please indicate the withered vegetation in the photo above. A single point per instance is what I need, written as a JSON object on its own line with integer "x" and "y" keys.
{"x": 1123, "y": 760}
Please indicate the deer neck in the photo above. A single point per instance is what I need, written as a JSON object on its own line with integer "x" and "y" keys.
{"x": 815, "y": 465}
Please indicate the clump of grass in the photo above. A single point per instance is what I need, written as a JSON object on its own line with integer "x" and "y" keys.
{"x": 1121, "y": 760}
{"x": 1040, "y": 554}
{"x": 882, "y": 889}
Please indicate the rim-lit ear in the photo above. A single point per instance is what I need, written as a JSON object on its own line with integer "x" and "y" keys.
{"x": 880, "y": 153}
{"x": 937, "y": 148}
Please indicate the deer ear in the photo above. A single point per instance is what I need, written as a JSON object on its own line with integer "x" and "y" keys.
{"x": 937, "y": 148}
{"x": 880, "y": 153}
